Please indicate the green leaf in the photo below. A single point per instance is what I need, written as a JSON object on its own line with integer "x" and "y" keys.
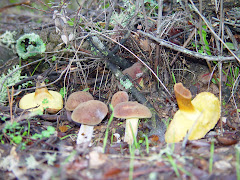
{"x": 63, "y": 91}
{"x": 54, "y": 58}
{"x": 229, "y": 45}
{"x": 17, "y": 139}
{"x": 51, "y": 129}
{"x": 45, "y": 101}
{"x": 46, "y": 134}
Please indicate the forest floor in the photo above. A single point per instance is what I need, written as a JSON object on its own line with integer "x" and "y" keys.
{"x": 86, "y": 46}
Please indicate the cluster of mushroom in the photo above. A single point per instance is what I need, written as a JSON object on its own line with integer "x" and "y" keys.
{"x": 195, "y": 117}
{"x": 90, "y": 112}
{"x": 86, "y": 111}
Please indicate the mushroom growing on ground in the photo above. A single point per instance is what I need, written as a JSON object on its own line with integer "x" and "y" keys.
{"x": 42, "y": 99}
{"x": 89, "y": 114}
{"x": 118, "y": 97}
{"x": 76, "y": 98}
{"x": 196, "y": 117}
{"x": 131, "y": 111}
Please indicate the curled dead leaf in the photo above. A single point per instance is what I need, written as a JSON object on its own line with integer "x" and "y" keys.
{"x": 227, "y": 139}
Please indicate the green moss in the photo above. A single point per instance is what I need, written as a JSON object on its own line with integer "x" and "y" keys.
{"x": 30, "y": 45}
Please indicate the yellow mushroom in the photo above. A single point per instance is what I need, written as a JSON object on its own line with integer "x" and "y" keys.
{"x": 196, "y": 117}
{"x": 42, "y": 99}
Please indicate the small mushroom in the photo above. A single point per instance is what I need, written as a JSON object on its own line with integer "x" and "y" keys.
{"x": 131, "y": 111}
{"x": 196, "y": 117}
{"x": 42, "y": 99}
{"x": 135, "y": 71}
{"x": 118, "y": 97}
{"x": 76, "y": 98}
{"x": 89, "y": 114}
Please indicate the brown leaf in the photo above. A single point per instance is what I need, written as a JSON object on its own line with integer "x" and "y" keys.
{"x": 227, "y": 140}
{"x": 63, "y": 128}
{"x": 112, "y": 172}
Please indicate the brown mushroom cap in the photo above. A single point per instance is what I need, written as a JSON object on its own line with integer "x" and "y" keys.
{"x": 118, "y": 97}
{"x": 131, "y": 110}
{"x": 135, "y": 71}
{"x": 90, "y": 112}
{"x": 76, "y": 98}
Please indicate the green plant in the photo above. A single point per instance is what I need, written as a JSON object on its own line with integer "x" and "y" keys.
{"x": 44, "y": 134}
{"x": 211, "y": 157}
{"x": 63, "y": 91}
{"x": 112, "y": 138}
{"x": 13, "y": 131}
{"x": 168, "y": 154}
{"x": 167, "y": 121}
{"x": 107, "y": 130}
{"x": 174, "y": 79}
{"x": 147, "y": 144}
{"x": 205, "y": 45}
{"x": 29, "y": 45}
{"x": 232, "y": 76}
{"x": 54, "y": 58}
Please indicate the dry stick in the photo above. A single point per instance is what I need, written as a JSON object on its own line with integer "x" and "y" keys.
{"x": 14, "y": 5}
{"x": 10, "y": 100}
{"x": 231, "y": 36}
{"x": 212, "y": 31}
{"x": 160, "y": 21}
{"x": 144, "y": 15}
{"x": 221, "y": 34}
{"x": 159, "y": 29}
{"x": 184, "y": 45}
{"x": 186, "y": 51}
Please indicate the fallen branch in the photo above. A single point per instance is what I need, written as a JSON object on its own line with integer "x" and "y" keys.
{"x": 186, "y": 51}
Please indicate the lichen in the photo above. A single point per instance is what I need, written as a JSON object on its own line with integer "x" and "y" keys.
{"x": 7, "y": 39}
{"x": 126, "y": 83}
{"x": 30, "y": 45}
{"x": 10, "y": 81}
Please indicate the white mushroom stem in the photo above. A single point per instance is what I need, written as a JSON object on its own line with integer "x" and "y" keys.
{"x": 85, "y": 134}
{"x": 131, "y": 132}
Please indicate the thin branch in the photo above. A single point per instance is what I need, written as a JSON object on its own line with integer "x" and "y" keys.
{"x": 186, "y": 51}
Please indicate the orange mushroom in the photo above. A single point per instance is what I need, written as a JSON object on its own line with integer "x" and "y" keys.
{"x": 195, "y": 117}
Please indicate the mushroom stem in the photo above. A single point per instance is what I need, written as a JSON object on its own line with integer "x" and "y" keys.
{"x": 85, "y": 134}
{"x": 184, "y": 97}
{"x": 131, "y": 132}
